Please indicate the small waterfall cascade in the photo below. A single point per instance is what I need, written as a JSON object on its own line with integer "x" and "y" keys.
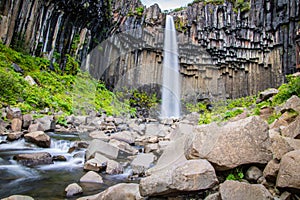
{"x": 170, "y": 107}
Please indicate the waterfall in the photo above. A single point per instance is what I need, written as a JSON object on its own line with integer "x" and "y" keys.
{"x": 171, "y": 80}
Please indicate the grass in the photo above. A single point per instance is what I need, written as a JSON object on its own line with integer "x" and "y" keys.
{"x": 68, "y": 90}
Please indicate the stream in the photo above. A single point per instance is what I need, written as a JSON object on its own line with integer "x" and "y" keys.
{"x": 47, "y": 181}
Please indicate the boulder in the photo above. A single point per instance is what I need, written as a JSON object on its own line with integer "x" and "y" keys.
{"x": 98, "y": 146}
{"x": 155, "y": 129}
{"x": 253, "y": 174}
{"x": 124, "y": 136}
{"x": 18, "y": 197}
{"x": 289, "y": 171}
{"x": 215, "y": 196}
{"x": 190, "y": 175}
{"x": 151, "y": 147}
{"x": 35, "y": 127}
{"x": 267, "y": 94}
{"x": 142, "y": 162}
{"x": 124, "y": 191}
{"x": 99, "y": 135}
{"x": 73, "y": 189}
{"x": 14, "y": 136}
{"x": 282, "y": 145}
{"x": 113, "y": 167}
{"x": 235, "y": 190}
{"x": 13, "y": 113}
{"x": 97, "y": 164}
{"x": 237, "y": 143}
{"x": 271, "y": 170}
{"x": 125, "y": 147}
{"x": 39, "y": 138}
{"x": 34, "y": 159}
{"x": 292, "y": 103}
{"x": 16, "y": 125}
{"x": 27, "y": 120}
{"x": 47, "y": 123}
{"x": 293, "y": 129}
{"x": 91, "y": 177}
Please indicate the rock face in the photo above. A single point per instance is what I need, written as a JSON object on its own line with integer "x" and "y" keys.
{"x": 39, "y": 138}
{"x": 34, "y": 159}
{"x": 289, "y": 171}
{"x": 233, "y": 190}
{"x": 191, "y": 175}
{"x": 242, "y": 142}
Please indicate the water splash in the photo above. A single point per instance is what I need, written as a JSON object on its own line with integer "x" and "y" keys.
{"x": 171, "y": 80}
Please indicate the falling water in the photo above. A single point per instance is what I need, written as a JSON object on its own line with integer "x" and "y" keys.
{"x": 171, "y": 82}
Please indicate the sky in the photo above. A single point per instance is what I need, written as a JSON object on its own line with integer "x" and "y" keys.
{"x": 167, "y": 4}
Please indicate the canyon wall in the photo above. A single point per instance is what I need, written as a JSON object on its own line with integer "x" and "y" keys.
{"x": 225, "y": 50}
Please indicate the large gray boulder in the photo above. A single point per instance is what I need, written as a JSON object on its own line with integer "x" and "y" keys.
{"x": 282, "y": 145}
{"x": 18, "y": 197}
{"x": 34, "y": 159}
{"x": 237, "y": 143}
{"x": 47, "y": 123}
{"x": 99, "y": 146}
{"x": 235, "y": 190}
{"x": 39, "y": 138}
{"x": 190, "y": 175}
{"x": 293, "y": 129}
{"x": 292, "y": 103}
{"x": 91, "y": 177}
{"x": 124, "y": 136}
{"x": 289, "y": 171}
{"x": 123, "y": 146}
{"x": 142, "y": 162}
{"x": 271, "y": 170}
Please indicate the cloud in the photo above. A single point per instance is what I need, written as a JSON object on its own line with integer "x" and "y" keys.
{"x": 166, "y": 4}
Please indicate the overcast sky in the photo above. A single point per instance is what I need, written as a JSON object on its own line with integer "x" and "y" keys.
{"x": 167, "y": 4}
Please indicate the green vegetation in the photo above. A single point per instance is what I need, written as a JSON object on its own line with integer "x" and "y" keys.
{"x": 224, "y": 110}
{"x": 138, "y": 12}
{"x": 235, "y": 175}
{"x": 68, "y": 90}
{"x": 180, "y": 25}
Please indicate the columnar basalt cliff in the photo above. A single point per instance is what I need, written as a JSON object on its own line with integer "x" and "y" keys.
{"x": 225, "y": 50}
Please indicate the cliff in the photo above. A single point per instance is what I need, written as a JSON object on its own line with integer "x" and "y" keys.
{"x": 226, "y": 50}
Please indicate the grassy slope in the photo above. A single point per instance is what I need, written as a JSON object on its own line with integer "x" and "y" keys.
{"x": 70, "y": 91}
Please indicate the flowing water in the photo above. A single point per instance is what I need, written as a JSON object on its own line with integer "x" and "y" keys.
{"x": 46, "y": 181}
{"x": 171, "y": 80}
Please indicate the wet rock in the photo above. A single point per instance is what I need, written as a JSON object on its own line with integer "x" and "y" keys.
{"x": 13, "y": 113}
{"x": 124, "y": 191}
{"x": 97, "y": 164}
{"x": 289, "y": 171}
{"x": 16, "y": 125}
{"x": 191, "y": 175}
{"x": 99, "y": 135}
{"x": 267, "y": 94}
{"x": 271, "y": 170}
{"x": 98, "y": 146}
{"x": 39, "y": 138}
{"x": 123, "y": 146}
{"x": 73, "y": 189}
{"x": 142, "y": 162}
{"x": 18, "y": 197}
{"x": 253, "y": 174}
{"x": 91, "y": 177}
{"x": 236, "y": 143}
{"x": 59, "y": 158}
{"x": 230, "y": 190}
{"x": 14, "y": 136}
{"x": 113, "y": 167}
{"x": 33, "y": 159}
{"x": 27, "y": 120}
{"x": 47, "y": 123}
{"x": 292, "y": 103}
{"x": 125, "y": 136}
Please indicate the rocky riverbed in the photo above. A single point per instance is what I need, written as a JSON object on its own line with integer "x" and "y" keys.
{"x": 108, "y": 157}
